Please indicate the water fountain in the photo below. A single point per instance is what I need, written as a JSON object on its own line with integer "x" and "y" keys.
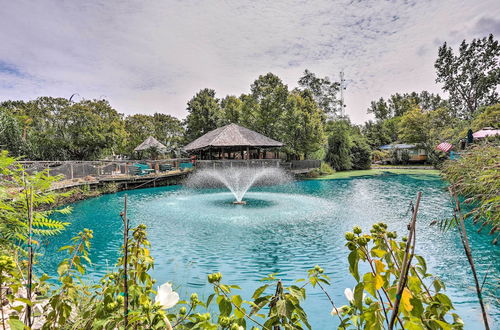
{"x": 237, "y": 179}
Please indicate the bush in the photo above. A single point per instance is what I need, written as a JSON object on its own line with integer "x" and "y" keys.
{"x": 361, "y": 155}
{"x": 338, "y": 154}
{"x": 326, "y": 169}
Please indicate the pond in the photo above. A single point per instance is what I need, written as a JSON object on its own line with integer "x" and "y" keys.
{"x": 284, "y": 229}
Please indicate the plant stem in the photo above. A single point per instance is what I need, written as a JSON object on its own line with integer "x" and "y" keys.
{"x": 405, "y": 267}
{"x": 125, "y": 263}
{"x": 465, "y": 242}
{"x": 29, "y": 204}
{"x": 331, "y": 300}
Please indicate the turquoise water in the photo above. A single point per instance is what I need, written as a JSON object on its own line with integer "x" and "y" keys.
{"x": 283, "y": 229}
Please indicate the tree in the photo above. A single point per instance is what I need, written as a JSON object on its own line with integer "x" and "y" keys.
{"x": 139, "y": 127}
{"x": 472, "y": 76}
{"x": 168, "y": 130}
{"x": 303, "y": 120}
{"x": 324, "y": 91}
{"x": 487, "y": 117}
{"x": 414, "y": 127}
{"x": 361, "y": 154}
{"x": 231, "y": 109}
{"x": 266, "y": 105}
{"x": 398, "y": 104}
{"x": 58, "y": 129}
{"x": 10, "y": 134}
{"x": 94, "y": 129}
{"x": 204, "y": 114}
{"x": 338, "y": 153}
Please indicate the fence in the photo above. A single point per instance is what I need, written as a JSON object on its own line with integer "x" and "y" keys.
{"x": 218, "y": 164}
{"x": 97, "y": 169}
{"x": 116, "y": 168}
{"x": 294, "y": 165}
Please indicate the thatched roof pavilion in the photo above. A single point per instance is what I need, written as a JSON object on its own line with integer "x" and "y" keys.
{"x": 150, "y": 142}
{"x": 231, "y": 138}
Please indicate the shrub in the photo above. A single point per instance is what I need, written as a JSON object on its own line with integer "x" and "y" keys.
{"x": 326, "y": 169}
{"x": 361, "y": 154}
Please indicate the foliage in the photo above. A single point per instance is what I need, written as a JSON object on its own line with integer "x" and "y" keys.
{"x": 361, "y": 154}
{"x": 398, "y": 104}
{"x": 303, "y": 120}
{"x": 487, "y": 117}
{"x": 324, "y": 91}
{"x": 17, "y": 190}
{"x": 166, "y": 129}
{"x": 204, "y": 114}
{"x": 423, "y": 305}
{"x": 231, "y": 109}
{"x": 476, "y": 177}
{"x": 266, "y": 106}
{"x": 326, "y": 169}
{"x": 56, "y": 128}
{"x": 472, "y": 76}
{"x": 67, "y": 298}
{"x": 338, "y": 152}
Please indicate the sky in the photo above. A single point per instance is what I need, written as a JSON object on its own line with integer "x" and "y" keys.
{"x": 150, "y": 56}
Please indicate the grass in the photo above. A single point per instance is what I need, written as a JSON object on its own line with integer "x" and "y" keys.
{"x": 385, "y": 171}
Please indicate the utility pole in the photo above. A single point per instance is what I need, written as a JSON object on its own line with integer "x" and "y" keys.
{"x": 342, "y": 88}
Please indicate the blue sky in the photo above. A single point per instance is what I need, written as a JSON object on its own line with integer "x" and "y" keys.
{"x": 148, "y": 56}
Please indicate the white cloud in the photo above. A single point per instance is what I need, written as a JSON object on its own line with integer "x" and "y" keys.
{"x": 147, "y": 56}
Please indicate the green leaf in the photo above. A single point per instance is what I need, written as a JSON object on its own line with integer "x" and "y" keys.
{"x": 225, "y": 307}
{"x": 378, "y": 253}
{"x": 236, "y": 299}
{"x": 209, "y": 299}
{"x": 353, "y": 264}
{"x": 16, "y": 324}
{"x": 259, "y": 291}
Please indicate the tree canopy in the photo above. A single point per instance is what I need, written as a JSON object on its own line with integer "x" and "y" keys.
{"x": 472, "y": 76}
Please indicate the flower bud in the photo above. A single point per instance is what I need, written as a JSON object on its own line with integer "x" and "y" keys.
{"x": 357, "y": 230}
{"x": 349, "y": 236}
{"x": 183, "y": 310}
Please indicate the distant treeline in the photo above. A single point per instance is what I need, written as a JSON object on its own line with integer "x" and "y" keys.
{"x": 304, "y": 118}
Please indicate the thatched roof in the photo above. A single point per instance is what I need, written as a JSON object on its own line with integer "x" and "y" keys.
{"x": 231, "y": 136}
{"x": 150, "y": 142}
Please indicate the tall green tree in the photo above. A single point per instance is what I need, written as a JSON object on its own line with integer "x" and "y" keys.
{"x": 232, "y": 108}
{"x": 11, "y": 133}
{"x": 398, "y": 104}
{"x": 324, "y": 90}
{"x": 58, "y": 129}
{"x": 303, "y": 120}
{"x": 472, "y": 76}
{"x": 338, "y": 153}
{"x": 204, "y": 114}
{"x": 266, "y": 106}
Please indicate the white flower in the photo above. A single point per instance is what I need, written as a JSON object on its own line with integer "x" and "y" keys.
{"x": 166, "y": 297}
{"x": 349, "y": 295}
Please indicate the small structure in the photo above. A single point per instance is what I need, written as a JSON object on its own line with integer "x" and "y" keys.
{"x": 415, "y": 153}
{"x": 486, "y": 132}
{"x": 232, "y": 142}
{"x": 151, "y": 143}
{"x": 444, "y": 146}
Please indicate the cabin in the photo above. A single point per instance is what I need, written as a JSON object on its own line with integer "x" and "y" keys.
{"x": 415, "y": 153}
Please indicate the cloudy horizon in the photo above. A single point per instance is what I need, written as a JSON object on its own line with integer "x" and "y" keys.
{"x": 153, "y": 56}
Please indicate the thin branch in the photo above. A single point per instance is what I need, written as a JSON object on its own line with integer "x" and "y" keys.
{"x": 406, "y": 262}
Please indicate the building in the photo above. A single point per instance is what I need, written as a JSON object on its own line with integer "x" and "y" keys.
{"x": 415, "y": 153}
{"x": 233, "y": 142}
